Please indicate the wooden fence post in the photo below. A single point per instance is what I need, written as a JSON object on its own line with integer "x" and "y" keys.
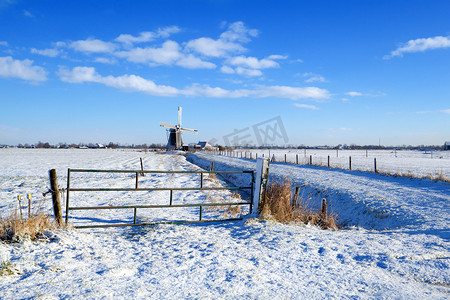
{"x": 328, "y": 161}
{"x": 19, "y": 197}
{"x": 324, "y": 209}
{"x": 212, "y": 166}
{"x": 285, "y": 158}
{"x": 295, "y": 200}
{"x": 375, "y": 165}
{"x": 310, "y": 160}
{"x": 55, "y": 197}
{"x": 262, "y": 174}
{"x": 296, "y": 158}
{"x": 142, "y": 168}
{"x": 29, "y": 205}
{"x": 350, "y": 163}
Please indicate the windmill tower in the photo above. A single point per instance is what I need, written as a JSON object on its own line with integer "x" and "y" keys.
{"x": 175, "y": 141}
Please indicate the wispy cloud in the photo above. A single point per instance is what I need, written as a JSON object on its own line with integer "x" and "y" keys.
{"x": 229, "y": 41}
{"x": 421, "y": 45}
{"x": 139, "y": 84}
{"x": 248, "y": 72}
{"x": 446, "y": 111}
{"x": 311, "y": 77}
{"x": 147, "y": 36}
{"x": 200, "y": 53}
{"x": 167, "y": 54}
{"x": 93, "y": 46}
{"x": 354, "y": 94}
{"x": 359, "y": 94}
{"x": 192, "y": 62}
{"x": 23, "y": 69}
{"x": 250, "y": 66}
{"x": 46, "y": 52}
{"x": 252, "y": 62}
{"x": 28, "y": 14}
{"x": 170, "y": 53}
{"x": 313, "y": 107}
{"x": 4, "y": 43}
{"x": 105, "y": 60}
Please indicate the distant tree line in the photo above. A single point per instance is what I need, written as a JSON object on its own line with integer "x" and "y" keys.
{"x": 111, "y": 145}
{"x": 157, "y": 146}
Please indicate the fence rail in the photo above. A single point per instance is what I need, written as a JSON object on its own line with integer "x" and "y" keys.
{"x": 70, "y": 189}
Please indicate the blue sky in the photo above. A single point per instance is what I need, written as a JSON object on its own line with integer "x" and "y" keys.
{"x": 334, "y": 72}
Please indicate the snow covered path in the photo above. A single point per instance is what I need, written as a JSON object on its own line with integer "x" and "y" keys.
{"x": 246, "y": 259}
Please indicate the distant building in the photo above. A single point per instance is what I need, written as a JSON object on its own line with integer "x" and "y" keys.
{"x": 204, "y": 146}
{"x": 447, "y": 146}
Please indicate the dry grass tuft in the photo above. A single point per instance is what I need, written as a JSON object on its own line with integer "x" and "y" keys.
{"x": 234, "y": 210}
{"x": 279, "y": 206}
{"x": 15, "y": 229}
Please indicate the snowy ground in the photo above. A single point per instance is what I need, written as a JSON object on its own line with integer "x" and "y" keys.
{"x": 395, "y": 245}
{"x": 418, "y": 163}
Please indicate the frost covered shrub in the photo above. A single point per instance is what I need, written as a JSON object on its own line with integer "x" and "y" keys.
{"x": 14, "y": 229}
{"x": 278, "y": 205}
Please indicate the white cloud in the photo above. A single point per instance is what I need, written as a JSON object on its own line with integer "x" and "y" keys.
{"x": 79, "y": 75}
{"x": 313, "y": 107}
{"x": 314, "y": 77}
{"x": 169, "y": 54}
{"x": 3, "y": 43}
{"x": 275, "y": 56}
{"x": 213, "y": 48}
{"x": 93, "y": 46}
{"x": 227, "y": 70}
{"x": 446, "y": 111}
{"x": 238, "y": 32}
{"x": 22, "y": 69}
{"x": 167, "y": 31}
{"x": 105, "y": 60}
{"x": 192, "y": 62}
{"x": 147, "y": 36}
{"x": 60, "y": 44}
{"x": 252, "y": 62}
{"x": 125, "y": 82}
{"x": 28, "y": 14}
{"x": 354, "y": 94}
{"x": 139, "y": 84}
{"x": 294, "y": 93}
{"x": 248, "y": 72}
{"x": 229, "y": 41}
{"x": 317, "y": 78}
{"x": 45, "y": 52}
{"x": 420, "y": 45}
{"x": 166, "y": 55}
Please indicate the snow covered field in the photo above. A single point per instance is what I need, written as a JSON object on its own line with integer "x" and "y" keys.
{"x": 418, "y": 163}
{"x": 395, "y": 244}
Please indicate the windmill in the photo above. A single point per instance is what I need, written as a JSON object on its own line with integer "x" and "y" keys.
{"x": 175, "y": 141}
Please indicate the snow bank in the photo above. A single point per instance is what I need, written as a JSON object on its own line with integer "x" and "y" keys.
{"x": 245, "y": 259}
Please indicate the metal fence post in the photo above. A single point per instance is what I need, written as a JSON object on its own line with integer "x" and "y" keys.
{"x": 262, "y": 174}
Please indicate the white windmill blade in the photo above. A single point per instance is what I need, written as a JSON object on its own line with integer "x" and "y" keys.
{"x": 162, "y": 124}
{"x": 188, "y": 129}
{"x": 179, "y": 116}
